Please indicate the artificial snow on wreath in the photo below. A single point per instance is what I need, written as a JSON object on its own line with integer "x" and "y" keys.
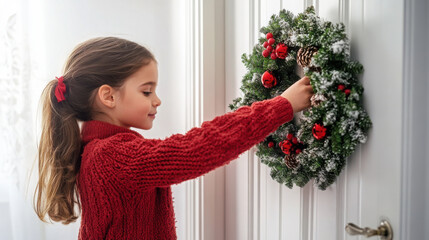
{"x": 316, "y": 144}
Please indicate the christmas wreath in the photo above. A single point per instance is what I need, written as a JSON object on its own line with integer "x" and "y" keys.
{"x": 316, "y": 144}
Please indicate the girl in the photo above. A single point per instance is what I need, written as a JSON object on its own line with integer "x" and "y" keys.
{"x": 119, "y": 180}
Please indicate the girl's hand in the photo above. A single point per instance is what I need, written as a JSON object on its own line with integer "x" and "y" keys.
{"x": 299, "y": 94}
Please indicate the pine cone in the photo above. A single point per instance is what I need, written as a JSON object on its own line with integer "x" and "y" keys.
{"x": 317, "y": 99}
{"x": 304, "y": 57}
{"x": 291, "y": 161}
{"x": 305, "y": 54}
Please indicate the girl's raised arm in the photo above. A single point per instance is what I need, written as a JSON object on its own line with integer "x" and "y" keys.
{"x": 135, "y": 163}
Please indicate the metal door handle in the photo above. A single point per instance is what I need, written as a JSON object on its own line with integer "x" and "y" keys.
{"x": 384, "y": 230}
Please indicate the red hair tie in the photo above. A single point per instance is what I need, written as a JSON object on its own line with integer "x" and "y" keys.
{"x": 60, "y": 90}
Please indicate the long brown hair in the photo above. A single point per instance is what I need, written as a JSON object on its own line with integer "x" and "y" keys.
{"x": 95, "y": 62}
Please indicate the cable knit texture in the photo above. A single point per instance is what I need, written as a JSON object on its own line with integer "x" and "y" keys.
{"x": 125, "y": 180}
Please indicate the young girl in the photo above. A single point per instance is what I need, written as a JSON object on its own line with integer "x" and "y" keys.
{"x": 119, "y": 180}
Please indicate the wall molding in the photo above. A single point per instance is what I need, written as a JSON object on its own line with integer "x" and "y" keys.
{"x": 193, "y": 112}
{"x": 253, "y": 163}
{"x": 205, "y": 83}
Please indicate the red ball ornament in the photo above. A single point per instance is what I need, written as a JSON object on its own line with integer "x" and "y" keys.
{"x": 273, "y": 56}
{"x": 298, "y": 151}
{"x": 265, "y": 44}
{"x": 281, "y": 51}
{"x": 269, "y": 35}
{"x": 289, "y": 136}
{"x": 319, "y": 131}
{"x": 341, "y": 87}
{"x": 269, "y": 48}
{"x": 347, "y": 91}
{"x": 286, "y": 146}
{"x": 271, "y": 41}
{"x": 265, "y": 53}
{"x": 268, "y": 80}
{"x": 270, "y": 144}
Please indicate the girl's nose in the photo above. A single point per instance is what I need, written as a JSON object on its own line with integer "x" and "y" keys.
{"x": 157, "y": 101}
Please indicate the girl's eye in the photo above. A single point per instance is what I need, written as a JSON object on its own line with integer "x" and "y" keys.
{"x": 147, "y": 93}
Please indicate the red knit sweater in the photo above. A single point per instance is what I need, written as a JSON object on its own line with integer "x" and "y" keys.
{"x": 124, "y": 180}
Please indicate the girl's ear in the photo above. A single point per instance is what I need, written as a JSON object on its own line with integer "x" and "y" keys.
{"x": 106, "y": 96}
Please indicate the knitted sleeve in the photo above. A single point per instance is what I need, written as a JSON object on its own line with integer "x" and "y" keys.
{"x": 138, "y": 163}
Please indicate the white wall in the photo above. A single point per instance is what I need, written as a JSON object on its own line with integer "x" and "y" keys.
{"x": 415, "y": 180}
{"x": 56, "y": 27}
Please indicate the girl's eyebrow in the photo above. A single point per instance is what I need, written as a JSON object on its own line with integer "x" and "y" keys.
{"x": 149, "y": 83}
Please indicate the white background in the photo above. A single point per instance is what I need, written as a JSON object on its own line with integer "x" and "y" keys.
{"x": 51, "y": 29}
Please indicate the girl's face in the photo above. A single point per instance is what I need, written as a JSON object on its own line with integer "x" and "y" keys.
{"x": 137, "y": 101}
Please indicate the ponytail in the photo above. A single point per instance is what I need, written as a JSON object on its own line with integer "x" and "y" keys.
{"x": 59, "y": 159}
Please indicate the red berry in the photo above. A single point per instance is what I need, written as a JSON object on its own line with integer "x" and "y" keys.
{"x": 347, "y": 91}
{"x": 269, "y": 35}
{"x": 273, "y": 56}
{"x": 269, "y": 48}
{"x": 265, "y": 53}
{"x": 298, "y": 151}
{"x": 295, "y": 140}
{"x": 290, "y": 136}
{"x": 341, "y": 87}
{"x": 270, "y": 144}
{"x": 271, "y": 41}
{"x": 265, "y": 44}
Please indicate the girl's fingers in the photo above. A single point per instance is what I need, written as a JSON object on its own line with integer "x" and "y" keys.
{"x": 305, "y": 80}
{"x": 308, "y": 89}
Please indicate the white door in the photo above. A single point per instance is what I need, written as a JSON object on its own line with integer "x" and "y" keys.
{"x": 369, "y": 188}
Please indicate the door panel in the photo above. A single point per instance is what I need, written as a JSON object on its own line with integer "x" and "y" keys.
{"x": 368, "y": 189}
